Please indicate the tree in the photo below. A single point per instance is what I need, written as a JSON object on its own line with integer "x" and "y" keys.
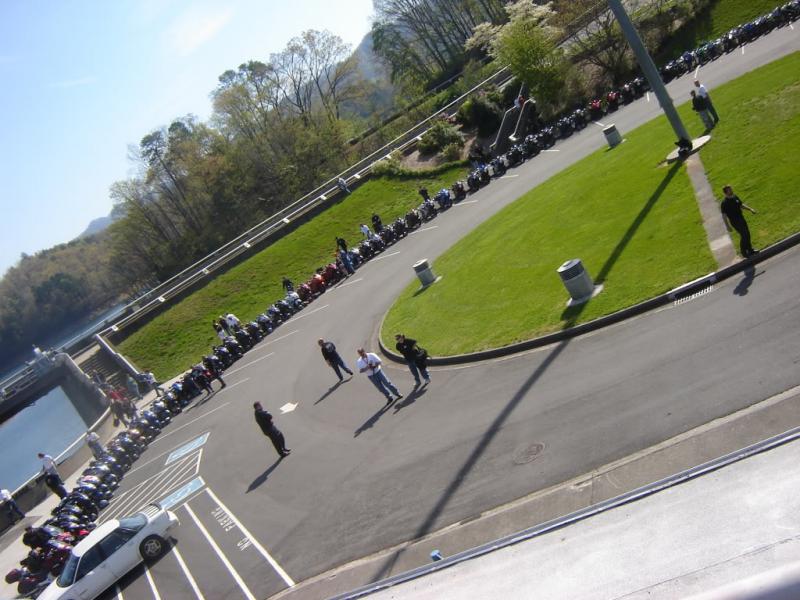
{"x": 531, "y": 53}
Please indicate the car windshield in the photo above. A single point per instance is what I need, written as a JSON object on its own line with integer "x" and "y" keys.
{"x": 133, "y": 523}
{"x": 68, "y": 572}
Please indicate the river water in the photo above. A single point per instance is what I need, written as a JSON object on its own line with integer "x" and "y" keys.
{"x": 49, "y": 424}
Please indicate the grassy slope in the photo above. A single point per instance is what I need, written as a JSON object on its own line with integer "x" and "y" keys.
{"x": 499, "y": 283}
{"x": 179, "y": 336}
{"x": 721, "y": 17}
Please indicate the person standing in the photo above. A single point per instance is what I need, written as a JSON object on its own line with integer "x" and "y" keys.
{"x": 416, "y": 357}
{"x": 150, "y": 380}
{"x": 377, "y": 224}
{"x": 365, "y": 231}
{"x": 424, "y": 193}
{"x": 731, "y": 207}
{"x": 264, "y": 420}
{"x": 331, "y": 356}
{"x": 233, "y": 322}
{"x": 288, "y": 285}
{"x": 133, "y": 387}
{"x": 700, "y": 106}
{"x": 93, "y": 441}
{"x": 11, "y": 505}
{"x": 342, "y": 183}
{"x": 703, "y": 93}
{"x": 51, "y": 477}
{"x": 370, "y": 363}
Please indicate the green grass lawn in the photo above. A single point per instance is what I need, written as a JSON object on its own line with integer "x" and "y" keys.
{"x": 719, "y": 18}
{"x": 634, "y": 223}
{"x": 181, "y": 335}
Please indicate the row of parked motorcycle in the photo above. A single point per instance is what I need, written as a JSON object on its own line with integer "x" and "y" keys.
{"x": 75, "y": 515}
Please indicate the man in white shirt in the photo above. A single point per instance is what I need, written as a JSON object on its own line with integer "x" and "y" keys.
{"x": 370, "y": 363}
{"x": 11, "y": 506}
{"x": 703, "y": 93}
{"x": 365, "y": 231}
{"x": 51, "y": 476}
{"x": 233, "y": 321}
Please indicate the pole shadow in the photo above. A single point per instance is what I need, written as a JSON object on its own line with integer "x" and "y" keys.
{"x": 263, "y": 477}
{"x": 571, "y": 315}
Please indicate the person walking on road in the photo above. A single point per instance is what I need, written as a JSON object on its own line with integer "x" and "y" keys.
{"x": 331, "y": 356}
{"x": 416, "y": 357}
{"x": 731, "y": 207}
{"x": 703, "y": 93}
{"x": 93, "y": 441}
{"x": 10, "y": 505}
{"x": 700, "y": 106}
{"x": 264, "y": 420}
{"x": 370, "y": 363}
{"x": 51, "y": 477}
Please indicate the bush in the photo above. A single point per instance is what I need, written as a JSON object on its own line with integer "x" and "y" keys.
{"x": 481, "y": 113}
{"x": 452, "y": 152}
{"x": 439, "y": 136}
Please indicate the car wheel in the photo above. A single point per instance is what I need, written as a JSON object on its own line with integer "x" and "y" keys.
{"x": 152, "y": 547}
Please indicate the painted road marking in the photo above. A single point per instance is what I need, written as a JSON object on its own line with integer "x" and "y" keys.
{"x": 551, "y": 150}
{"x": 278, "y": 569}
{"x": 424, "y": 229}
{"x": 152, "y": 583}
{"x": 187, "y": 448}
{"x": 599, "y": 124}
{"x": 219, "y": 553}
{"x": 203, "y": 416}
{"x": 288, "y": 407}
{"x": 306, "y": 314}
{"x": 648, "y": 96}
{"x": 467, "y": 201}
{"x": 351, "y": 282}
{"x": 509, "y": 176}
{"x": 188, "y": 574}
{"x": 182, "y": 493}
{"x": 382, "y": 256}
{"x": 283, "y": 337}
{"x": 696, "y": 71}
{"x": 251, "y": 363}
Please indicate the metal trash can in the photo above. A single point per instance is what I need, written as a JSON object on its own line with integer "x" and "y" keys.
{"x": 577, "y": 281}
{"x": 613, "y": 136}
{"x": 423, "y": 271}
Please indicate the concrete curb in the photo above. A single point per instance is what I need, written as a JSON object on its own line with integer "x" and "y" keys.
{"x": 626, "y": 313}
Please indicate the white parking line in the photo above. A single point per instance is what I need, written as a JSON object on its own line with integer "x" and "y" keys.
{"x": 311, "y": 312}
{"x": 252, "y": 362}
{"x": 382, "y": 256}
{"x": 648, "y": 96}
{"x": 599, "y": 124}
{"x": 283, "y": 337}
{"x": 466, "y": 202}
{"x": 152, "y": 583}
{"x": 424, "y": 229}
{"x": 742, "y": 50}
{"x": 203, "y": 416}
{"x": 509, "y": 176}
{"x": 551, "y": 150}
{"x": 696, "y": 71}
{"x": 351, "y": 282}
{"x": 221, "y": 556}
{"x": 188, "y": 574}
{"x": 284, "y": 575}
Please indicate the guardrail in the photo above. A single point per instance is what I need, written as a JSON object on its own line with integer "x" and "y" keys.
{"x": 242, "y": 243}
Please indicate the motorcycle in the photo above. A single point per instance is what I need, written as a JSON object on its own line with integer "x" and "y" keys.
{"x": 612, "y": 100}
{"x": 459, "y": 190}
{"x": 413, "y": 219}
{"x": 443, "y": 198}
{"x": 514, "y": 156}
{"x": 595, "y": 109}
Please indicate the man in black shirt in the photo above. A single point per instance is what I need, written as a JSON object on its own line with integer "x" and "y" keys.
{"x": 416, "y": 357}
{"x": 264, "y": 420}
{"x": 731, "y": 208}
{"x": 333, "y": 359}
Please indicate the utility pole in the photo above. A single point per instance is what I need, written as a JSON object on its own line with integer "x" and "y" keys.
{"x": 650, "y": 72}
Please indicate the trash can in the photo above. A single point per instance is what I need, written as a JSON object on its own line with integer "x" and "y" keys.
{"x": 577, "y": 281}
{"x": 613, "y": 136}
{"x": 423, "y": 271}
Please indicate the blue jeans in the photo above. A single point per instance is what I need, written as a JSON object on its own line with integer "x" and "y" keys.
{"x": 380, "y": 381}
{"x": 337, "y": 362}
{"x": 348, "y": 264}
{"x": 416, "y": 370}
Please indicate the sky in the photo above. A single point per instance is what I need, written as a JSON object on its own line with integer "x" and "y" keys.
{"x": 84, "y": 79}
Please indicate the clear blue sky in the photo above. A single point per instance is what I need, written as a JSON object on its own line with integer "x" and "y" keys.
{"x": 84, "y": 79}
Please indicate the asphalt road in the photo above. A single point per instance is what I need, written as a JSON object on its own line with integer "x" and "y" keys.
{"x": 363, "y": 477}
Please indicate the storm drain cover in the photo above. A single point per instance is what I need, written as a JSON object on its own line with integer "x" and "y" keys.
{"x": 528, "y": 454}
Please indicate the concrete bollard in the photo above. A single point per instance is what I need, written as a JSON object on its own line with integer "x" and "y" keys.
{"x": 577, "y": 281}
{"x": 423, "y": 271}
{"x": 613, "y": 136}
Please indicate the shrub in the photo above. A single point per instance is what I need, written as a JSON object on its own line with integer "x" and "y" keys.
{"x": 452, "y": 152}
{"x": 481, "y": 113}
{"x": 439, "y": 136}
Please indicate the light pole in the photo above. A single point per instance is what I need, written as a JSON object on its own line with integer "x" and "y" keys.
{"x": 651, "y": 73}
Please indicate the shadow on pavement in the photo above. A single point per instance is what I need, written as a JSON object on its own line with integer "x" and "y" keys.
{"x": 410, "y": 398}
{"x": 202, "y": 401}
{"x": 263, "y": 477}
{"x": 743, "y": 286}
{"x": 570, "y": 315}
{"x": 372, "y": 420}
{"x": 331, "y": 389}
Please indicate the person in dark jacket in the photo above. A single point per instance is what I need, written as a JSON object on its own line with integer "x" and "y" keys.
{"x": 700, "y": 106}
{"x": 264, "y": 420}
{"x": 416, "y": 357}
{"x": 331, "y": 356}
{"x": 731, "y": 208}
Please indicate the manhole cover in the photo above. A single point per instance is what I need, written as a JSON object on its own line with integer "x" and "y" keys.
{"x": 528, "y": 454}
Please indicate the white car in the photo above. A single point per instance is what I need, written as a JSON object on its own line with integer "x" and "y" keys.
{"x": 110, "y": 551}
